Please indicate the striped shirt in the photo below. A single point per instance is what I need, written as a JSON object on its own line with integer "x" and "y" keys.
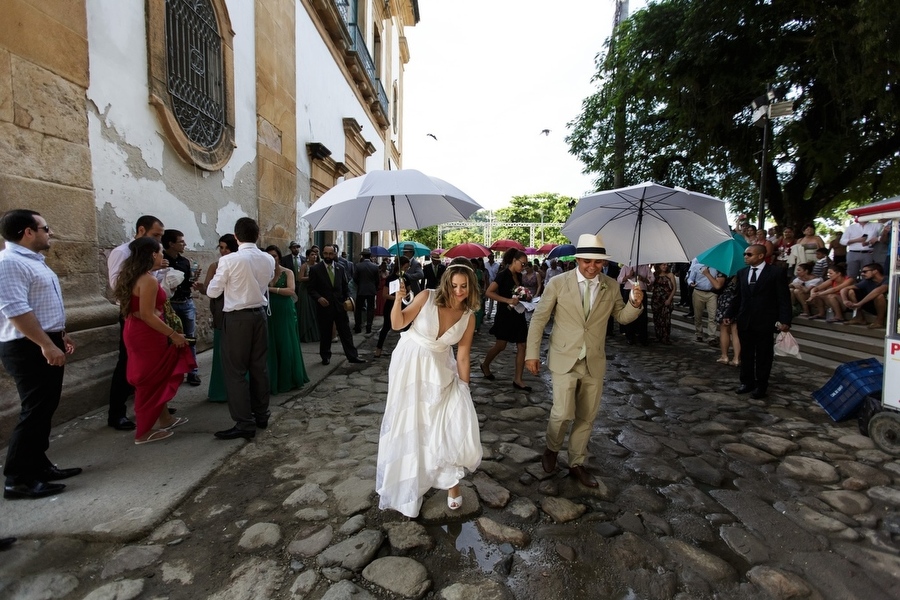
{"x": 28, "y": 285}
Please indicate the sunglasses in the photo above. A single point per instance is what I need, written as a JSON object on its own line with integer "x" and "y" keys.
{"x": 749, "y": 254}
{"x": 46, "y": 229}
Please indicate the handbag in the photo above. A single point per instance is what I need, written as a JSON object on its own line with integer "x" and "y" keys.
{"x": 171, "y": 319}
{"x": 786, "y": 345}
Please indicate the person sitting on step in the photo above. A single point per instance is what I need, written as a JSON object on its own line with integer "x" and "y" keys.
{"x": 867, "y": 296}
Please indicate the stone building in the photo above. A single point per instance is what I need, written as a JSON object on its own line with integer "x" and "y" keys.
{"x": 196, "y": 111}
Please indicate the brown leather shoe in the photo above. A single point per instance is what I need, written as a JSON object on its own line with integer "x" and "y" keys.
{"x": 583, "y": 477}
{"x": 548, "y": 460}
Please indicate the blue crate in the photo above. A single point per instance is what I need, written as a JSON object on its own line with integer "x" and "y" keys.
{"x": 849, "y": 386}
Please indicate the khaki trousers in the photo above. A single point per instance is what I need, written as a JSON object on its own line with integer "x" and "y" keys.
{"x": 709, "y": 301}
{"x": 576, "y": 400}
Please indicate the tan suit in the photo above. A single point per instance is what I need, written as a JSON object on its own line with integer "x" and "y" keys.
{"x": 577, "y": 384}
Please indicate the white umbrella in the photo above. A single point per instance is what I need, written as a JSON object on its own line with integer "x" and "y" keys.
{"x": 389, "y": 200}
{"x": 650, "y": 223}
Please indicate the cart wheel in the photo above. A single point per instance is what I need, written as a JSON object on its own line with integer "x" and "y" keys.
{"x": 884, "y": 429}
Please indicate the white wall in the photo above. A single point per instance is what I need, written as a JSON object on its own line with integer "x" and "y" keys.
{"x": 135, "y": 172}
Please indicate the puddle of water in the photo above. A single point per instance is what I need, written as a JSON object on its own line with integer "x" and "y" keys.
{"x": 468, "y": 541}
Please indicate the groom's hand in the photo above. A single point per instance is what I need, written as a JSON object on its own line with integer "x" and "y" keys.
{"x": 533, "y": 365}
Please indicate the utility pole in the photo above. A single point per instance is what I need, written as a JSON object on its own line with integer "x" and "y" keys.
{"x": 619, "y": 120}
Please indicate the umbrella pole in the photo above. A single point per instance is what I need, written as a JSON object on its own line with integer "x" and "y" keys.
{"x": 409, "y": 295}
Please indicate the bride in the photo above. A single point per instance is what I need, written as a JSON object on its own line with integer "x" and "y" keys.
{"x": 429, "y": 433}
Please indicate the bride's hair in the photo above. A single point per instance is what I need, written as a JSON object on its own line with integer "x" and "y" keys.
{"x": 445, "y": 291}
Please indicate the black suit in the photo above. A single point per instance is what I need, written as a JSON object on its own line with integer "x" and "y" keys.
{"x": 756, "y": 308}
{"x": 433, "y": 274}
{"x": 320, "y": 286}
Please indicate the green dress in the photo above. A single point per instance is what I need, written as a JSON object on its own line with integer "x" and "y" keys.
{"x": 286, "y": 369}
{"x": 309, "y": 323}
{"x": 216, "y": 391}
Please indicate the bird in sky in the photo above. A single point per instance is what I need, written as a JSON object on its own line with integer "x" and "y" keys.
{"x": 545, "y": 132}
{"x": 432, "y": 136}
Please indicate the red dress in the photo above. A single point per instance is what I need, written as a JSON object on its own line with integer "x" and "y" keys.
{"x": 155, "y": 368}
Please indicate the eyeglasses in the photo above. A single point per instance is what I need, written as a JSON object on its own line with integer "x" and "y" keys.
{"x": 46, "y": 229}
{"x": 749, "y": 254}
{"x": 866, "y": 271}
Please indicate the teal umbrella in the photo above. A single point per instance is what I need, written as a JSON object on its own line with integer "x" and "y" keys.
{"x": 737, "y": 235}
{"x": 420, "y": 249}
{"x": 726, "y": 257}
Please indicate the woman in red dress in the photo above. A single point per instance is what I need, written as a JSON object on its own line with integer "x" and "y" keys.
{"x": 158, "y": 356}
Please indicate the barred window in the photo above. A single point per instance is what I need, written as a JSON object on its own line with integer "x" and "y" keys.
{"x": 191, "y": 56}
{"x": 194, "y": 60}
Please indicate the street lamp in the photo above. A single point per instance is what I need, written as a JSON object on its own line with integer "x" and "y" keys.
{"x": 542, "y": 225}
{"x": 764, "y": 109}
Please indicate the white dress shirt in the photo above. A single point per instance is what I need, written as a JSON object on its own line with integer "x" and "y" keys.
{"x": 243, "y": 277}
{"x": 759, "y": 269}
{"x": 595, "y": 287}
{"x": 856, "y": 230}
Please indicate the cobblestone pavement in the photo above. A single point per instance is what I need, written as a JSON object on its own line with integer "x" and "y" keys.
{"x": 702, "y": 494}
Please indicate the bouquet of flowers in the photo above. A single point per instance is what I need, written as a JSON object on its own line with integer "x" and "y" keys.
{"x": 523, "y": 294}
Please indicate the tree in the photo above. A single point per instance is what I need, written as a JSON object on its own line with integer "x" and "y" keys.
{"x": 686, "y": 71}
{"x": 527, "y": 209}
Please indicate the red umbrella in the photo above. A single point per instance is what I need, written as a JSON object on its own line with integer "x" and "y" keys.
{"x": 467, "y": 250}
{"x": 506, "y": 245}
{"x": 531, "y": 251}
{"x": 546, "y": 248}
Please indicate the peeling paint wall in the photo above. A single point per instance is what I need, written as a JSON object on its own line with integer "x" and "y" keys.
{"x": 135, "y": 171}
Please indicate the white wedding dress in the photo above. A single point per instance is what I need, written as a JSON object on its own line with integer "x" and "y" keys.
{"x": 429, "y": 433}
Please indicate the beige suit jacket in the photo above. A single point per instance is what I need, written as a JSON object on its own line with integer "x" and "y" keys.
{"x": 562, "y": 300}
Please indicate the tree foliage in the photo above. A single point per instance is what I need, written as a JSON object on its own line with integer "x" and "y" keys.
{"x": 686, "y": 71}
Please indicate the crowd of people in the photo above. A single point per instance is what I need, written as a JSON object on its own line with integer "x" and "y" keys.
{"x": 264, "y": 303}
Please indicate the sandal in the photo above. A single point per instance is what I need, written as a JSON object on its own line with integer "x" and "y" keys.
{"x": 159, "y": 434}
{"x": 454, "y": 503}
{"x": 488, "y": 376}
{"x": 735, "y": 363}
{"x": 816, "y": 317}
{"x": 176, "y": 423}
{"x": 834, "y": 320}
{"x": 723, "y": 361}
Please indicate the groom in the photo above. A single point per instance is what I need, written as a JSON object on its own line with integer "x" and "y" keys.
{"x": 581, "y": 302}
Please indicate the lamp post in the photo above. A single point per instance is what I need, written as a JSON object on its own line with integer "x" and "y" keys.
{"x": 542, "y": 226}
{"x": 764, "y": 109}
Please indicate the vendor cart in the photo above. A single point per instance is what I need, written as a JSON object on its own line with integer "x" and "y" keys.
{"x": 884, "y": 426}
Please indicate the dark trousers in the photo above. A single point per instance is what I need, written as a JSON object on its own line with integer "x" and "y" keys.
{"x": 638, "y": 327}
{"x": 245, "y": 346}
{"x": 39, "y": 386}
{"x": 119, "y": 388}
{"x": 385, "y": 323}
{"x": 369, "y": 303}
{"x": 334, "y": 315}
{"x": 757, "y": 354}
{"x": 188, "y": 314}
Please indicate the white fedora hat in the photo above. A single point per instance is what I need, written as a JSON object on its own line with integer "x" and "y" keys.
{"x": 591, "y": 247}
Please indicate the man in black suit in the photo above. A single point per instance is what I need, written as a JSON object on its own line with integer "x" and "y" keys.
{"x": 433, "y": 272}
{"x": 365, "y": 275}
{"x": 292, "y": 261}
{"x": 328, "y": 288}
{"x": 762, "y": 299}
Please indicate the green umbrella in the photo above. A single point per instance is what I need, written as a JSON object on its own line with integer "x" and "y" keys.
{"x": 420, "y": 249}
{"x": 726, "y": 257}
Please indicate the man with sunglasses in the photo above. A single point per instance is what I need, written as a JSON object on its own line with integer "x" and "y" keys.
{"x": 33, "y": 350}
{"x": 762, "y": 304}
{"x": 868, "y": 296}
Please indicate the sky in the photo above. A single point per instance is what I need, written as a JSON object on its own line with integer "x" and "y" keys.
{"x": 485, "y": 77}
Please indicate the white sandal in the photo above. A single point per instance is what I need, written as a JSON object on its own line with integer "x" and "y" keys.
{"x": 454, "y": 503}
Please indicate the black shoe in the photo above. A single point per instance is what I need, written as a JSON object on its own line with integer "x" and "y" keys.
{"x": 193, "y": 379}
{"x": 758, "y": 394}
{"x": 122, "y": 424}
{"x": 262, "y": 422}
{"x": 548, "y": 460}
{"x": 36, "y": 489}
{"x": 745, "y": 389}
{"x": 6, "y": 543}
{"x": 172, "y": 411}
{"x": 524, "y": 388}
{"x": 368, "y": 330}
{"x": 55, "y": 474}
{"x": 357, "y": 331}
{"x": 326, "y": 361}
{"x": 355, "y": 360}
{"x": 234, "y": 433}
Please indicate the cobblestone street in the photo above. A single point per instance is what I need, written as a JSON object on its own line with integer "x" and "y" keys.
{"x": 702, "y": 494}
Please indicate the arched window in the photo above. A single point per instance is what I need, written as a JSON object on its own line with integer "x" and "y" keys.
{"x": 191, "y": 77}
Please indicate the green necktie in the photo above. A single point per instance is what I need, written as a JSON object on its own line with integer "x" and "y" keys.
{"x": 331, "y": 274}
{"x": 587, "y": 297}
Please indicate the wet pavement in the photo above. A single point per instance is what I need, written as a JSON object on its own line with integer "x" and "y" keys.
{"x": 703, "y": 493}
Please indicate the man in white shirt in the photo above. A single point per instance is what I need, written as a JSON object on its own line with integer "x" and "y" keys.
{"x": 859, "y": 239}
{"x": 119, "y": 388}
{"x": 244, "y": 277}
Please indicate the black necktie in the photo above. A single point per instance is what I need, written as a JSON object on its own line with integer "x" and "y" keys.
{"x": 752, "y": 275}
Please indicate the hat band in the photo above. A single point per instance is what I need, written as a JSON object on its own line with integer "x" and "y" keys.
{"x": 591, "y": 250}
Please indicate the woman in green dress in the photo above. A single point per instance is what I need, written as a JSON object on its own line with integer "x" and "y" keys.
{"x": 227, "y": 245}
{"x": 309, "y": 324}
{"x": 285, "y": 360}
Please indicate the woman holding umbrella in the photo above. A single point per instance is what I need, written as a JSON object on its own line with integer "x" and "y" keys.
{"x": 509, "y": 324}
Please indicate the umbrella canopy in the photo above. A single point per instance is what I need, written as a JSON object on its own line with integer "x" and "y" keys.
{"x": 420, "y": 249}
{"x": 546, "y": 248}
{"x": 503, "y": 245}
{"x": 379, "y": 251}
{"x": 725, "y": 257}
{"x": 562, "y": 250}
{"x": 389, "y": 200}
{"x": 438, "y": 251}
{"x": 650, "y": 223}
{"x": 531, "y": 251}
{"x": 738, "y": 236}
{"x": 468, "y": 250}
